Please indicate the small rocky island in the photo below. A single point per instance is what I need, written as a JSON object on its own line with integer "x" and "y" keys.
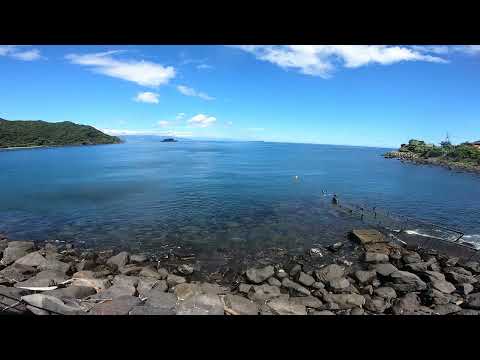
{"x": 24, "y": 133}
{"x": 169, "y": 140}
{"x": 381, "y": 278}
{"x": 465, "y": 156}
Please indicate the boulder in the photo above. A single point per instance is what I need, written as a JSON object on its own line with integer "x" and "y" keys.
{"x": 258, "y": 276}
{"x": 201, "y": 304}
{"x": 473, "y": 266}
{"x": 43, "y": 279}
{"x": 329, "y": 272}
{"x": 274, "y": 282}
{"x": 161, "y": 300}
{"x": 339, "y": 284}
{"x": 150, "y": 310}
{"x": 55, "y": 265}
{"x": 307, "y": 301}
{"x": 305, "y": 279}
{"x": 436, "y": 297}
{"x": 365, "y": 277}
{"x": 318, "y": 285}
{"x": 295, "y": 270}
{"x": 240, "y": 305}
{"x": 368, "y": 236}
{"x": 446, "y": 309}
{"x": 432, "y": 275}
{"x": 16, "y": 250}
{"x": 130, "y": 269}
{"x": 163, "y": 273}
{"x": 473, "y": 301}
{"x": 323, "y": 312}
{"x": 345, "y": 301}
{"x": 411, "y": 258}
{"x": 260, "y": 293}
{"x": 121, "y": 305}
{"x": 407, "y": 305}
{"x": 33, "y": 259}
{"x": 119, "y": 260}
{"x": 385, "y": 269}
{"x": 12, "y": 293}
{"x": 468, "y": 312}
{"x": 465, "y": 289}
{"x": 296, "y": 288}
{"x": 16, "y": 273}
{"x": 125, "y": 280}
{"x": 147, "y": 284}
{"x": 173, "y": 280}
{"x": 443, "y": 286}
{"x": 138, "y": 258}
{"x": 457, "y": 278}
{"x": 245, "y": 288}
{"x": 86, "y": 265}
{"x": 72, "y": 292}
{"x": 376, "y": 304}
{"x": 373, "y": 257}
{"x": 151, "y": 272}
{"x": 386, "y": 292}
{"x": 357, "y": 311}
{"x": 283, "y": 306}
{"x": 281, "y": 274}
{"x": 405, "y": 281}
{"x": 417, "y": 267}
{"x": 50, "y": 303}
{"x": 185, "y": 269}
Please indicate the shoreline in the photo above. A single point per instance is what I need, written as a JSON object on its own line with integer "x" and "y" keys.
{"x": 366, "y": 274}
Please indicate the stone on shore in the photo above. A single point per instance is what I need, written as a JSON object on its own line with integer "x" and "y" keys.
{"x": 329, "y": 272}
{"x": 365, "y": 277}
{"x": 446, "y": 309}
{"x": 261, "y": 293}
{"x": 305, "y": 279}
{"x": 291, "y": 285}
{"x": 386, "y": 292}
{"x": 138, "y": 258}
{"x": 72, "y": 292}
{"x": 407, "y": 305}
{"x": 151, "y": 272}
{"x": 473, "y": 301}
{"x": 283, "y": 306}
{"x": 457, "y": 278}
{"x": 411, "y": 258}
{"x": 173, "y": 280}
{"x": 274, "y": 282}
{"x": 14, "y": 293}
{"x": 55, "y": 265}
{"x": 185, "y": 269}
{"x": 147, "y": 284}
{"x": 161, "y": 300}
{"x": 339, "y": 284}
{"x": 345, "y": 301}
{"x": 16, "y": 273}
{"x": 43, "y": 279}
{"x": 50, "y": 303}
{"x": 245, "y": 288}
{"x": 368, "y": 236}
{"x": 257, "y": 276}
{"x": 323, "y": 312}
{"x": 443, "y": 286}
{"x": 16, "y": 250}
{"x": 465, "y": 289}
{"x": 376, "y": 304}
{"x": 119, "y": 260}
{"x": 33, "y": 259}
{"x": 240, "y": 305}
{"x": 373, "y": 257}
{"x": 121, "y": 305}
{"x": 201, "y": 304}
{"x": 405, "y": 281}
{"x": 307, "y": 301}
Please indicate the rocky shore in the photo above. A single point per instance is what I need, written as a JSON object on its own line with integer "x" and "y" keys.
{"x": 373, "y": 277}
{"x": 416, "y": 159}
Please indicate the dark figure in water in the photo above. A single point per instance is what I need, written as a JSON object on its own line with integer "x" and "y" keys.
{"x": 334, "y": 200}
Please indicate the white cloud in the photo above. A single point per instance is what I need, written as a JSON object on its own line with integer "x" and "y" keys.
{"x": 202, "y": 121}
{"x": 187, "y": 91}
{"x": 147, "y": 97}
{"x": 14, "y": 52}
{"x": 163, "y": 123}
{"x": 180, "y": 116}
{"x": 204, "y": 67}
{"x": 321, "y": 60}
{"x": 141, "y": 72}
{"x": 121, "y": 132}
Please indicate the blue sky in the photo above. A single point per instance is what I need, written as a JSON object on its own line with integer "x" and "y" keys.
{"x": 370, "y": 95}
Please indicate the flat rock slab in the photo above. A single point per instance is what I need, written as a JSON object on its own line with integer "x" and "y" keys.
{"x": 119, "y": 306}
{"x": 33, "y": 259}
{"x": 164, "y": 301}
{"x": 368, "y": 236}
{"x": 72, "y": 292}
{"x": 17, "y": 273}
{"x": 15, "y": 293}
{"x": 330, "y": 272}
{"x": 240, "y": 305}
{"x": 345, "y": 301}
{"x": 202, "y": 304}
{"x": 283, "y": 306}
{"x": 260, "y": 293}
{"x": 147, "y": 284}
{"x": 44, "y": 279}
{"x": 16, "y": 250}
{"x": 258, "y": 276}
{"x": 50, "y": 303}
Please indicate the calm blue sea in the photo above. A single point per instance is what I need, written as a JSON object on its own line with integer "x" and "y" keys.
{"x": 147, "y": 194}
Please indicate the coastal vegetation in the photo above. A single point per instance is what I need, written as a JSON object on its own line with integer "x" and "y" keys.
{"x": 40, "y": 133}
{"x": 465, "y": 155}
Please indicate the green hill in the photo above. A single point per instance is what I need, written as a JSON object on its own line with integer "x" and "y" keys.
{"x": 42, "y": 133}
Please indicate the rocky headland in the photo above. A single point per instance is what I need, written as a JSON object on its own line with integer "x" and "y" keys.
{"x": 367, "y": 274}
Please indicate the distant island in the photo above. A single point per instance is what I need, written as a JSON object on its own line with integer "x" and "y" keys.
{"x": 24, "y": 133}
{"x": 169, "y": 140}
{"x": 465, "y": 156}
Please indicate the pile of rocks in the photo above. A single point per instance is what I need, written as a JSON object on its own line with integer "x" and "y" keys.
{"x": 386, "y": 279}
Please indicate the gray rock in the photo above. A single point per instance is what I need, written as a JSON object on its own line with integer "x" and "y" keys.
{"x": 263, "y": 292}
{"x": 376, "y": 304}
{"x": 339, "y": 284}
{"x": 446, "y": 309}
{"x": 329, "y": 272}
{"x": 115, "y": 291}
{"x": 412, "y": 258}
{"x": 386, "y": 292}
{"x": 345, "y": 301}
{"x": 72, "y": 292}
{"x": 305, "y": 279}
{"x": 385, "y": 269}
{"x": 417, "y": 267}
{"x": 443, "y": 286}
{"x": 119, "y": 260}
{"x": 147, "y": 284}
{"x": 245, "y": 288}
{"x": 163, "y": 300}
{"x": 130, "y": 269}
{"x": 357, "y": 311}
{"x": 240, "y": 305}
{"x": 43, "y": 279}
{"x": 274, "y": 282}
{"x": 465, "y": 289}
{"x": 295, "y": 270}
{"x": 138, "y": 258}
{"x": 163, "y": 273}
{"x": 33, "y": 259}
{"x": 438, "y": 298}
{"x": 16, "y": 273}
{"x": 201, "y": 304}
{"x": 373, "y": 257}
{"x": 433, "y": 275}
{"x": 365, "y": 277}
{"x": 473, "y": 301}
{"x": 367, "y": 290}
{"x": 51, "y": 303}
{"x": 407, "y": 282}
{"x": 150, "y": 310}
{"x": 16, "y": 250}
{"x": 258, "y": 276}
{"x": 125, "y": 280}
{"x": 283, "y": 306}
{"x": 150, "y": 272}
{"x": 55, "y": 265}
{"x": 318, "y": 285}
{"x": 323, "y": 312}
{"x": 468, "y": 312}
{"x": 368, "y": 236}
{"x": 86, "y": 265}
{"x": 473, "y": 266}
{"x": 307, "y": 301}
{"x": 407, "y": 305}
{"x": 173, "y": 280}
{"x": 121, "y": 305}
{"x": 12, "y": 293}
{"x": 458, "y": 279}
{"x": 291, "y": 285}
{"x": 185, "y": 269}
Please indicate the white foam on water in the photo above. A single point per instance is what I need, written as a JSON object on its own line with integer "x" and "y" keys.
{"x": 473, "y": 239}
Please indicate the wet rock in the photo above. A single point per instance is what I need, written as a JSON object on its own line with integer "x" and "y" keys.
{"x": 185, "y": 269}
{"x": 119, "y": 260}
{"x": 323, "y": 312}
{"x": 257, "y": 276}
{"x": 33, "y": 259}
{"x": 240, "y": 305}
{"x": 385, "y": 269}
{"x": 16, "y": 250}
{"x": 295, "y": 270}
{"x": 336, "y": 247}
{"x": 274, "y": 282}
{"x": 202, "y": 304}
{"x": 407, "y": 305}
{"x": 473, "y": 301}
{"x": 121, "y": 305}
{"x": 368, "y": 236}
{"x": 173, "y": 280}
{"x": 315, "y": 252}
{"x": 330, "y": 272}
{"x": 407, "y": 282}
{"x": 458, "y": 279}
{"x": 339, "y": 284}
{"x": 138, "y": 259}
{"x": 281, "y": 274}
{"x": 443, "y": 286}
{"x": 43, "y": 279}
{"x": 307, "y": 301}
{"x": 295, "y": 287}
{"x": 305, "y": 279}
{"x": 50, "y": 303}
{"x": 245, "y": 288}
{"x": 365, "y": 277}
{"x": 385, "y": 292}
{"x": 345, "y": 301}
{"x": 263, "y": 292}
{"x": 465, "y": 289}
{"x": 372, "y": 257}
{"x": 446, "y": 309}
{"x": 150, "y": 272}
{"x": 283, "y": 306}
{"x": 412, "y": 258}
{"x": 72, "y": 292}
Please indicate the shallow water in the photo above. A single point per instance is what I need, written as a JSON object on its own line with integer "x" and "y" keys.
{"x": 145, "y": 194}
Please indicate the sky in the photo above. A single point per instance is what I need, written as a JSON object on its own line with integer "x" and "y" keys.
{"x": 363, "y": 95}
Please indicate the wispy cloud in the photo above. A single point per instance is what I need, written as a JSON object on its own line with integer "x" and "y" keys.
{"x": 322, "y": 60}
{"x": 121, "y": 132}
{"x": 202, "y": 121}
{"x": 204, "y": 67}
{"x": 147, "y": 97}
{"x": 180, "y": 116}
{"x": 163, "y": 123}
{"x": 16, "y": 53}
{"x": 188, "y": 91}
{"x": 141, "y": 72}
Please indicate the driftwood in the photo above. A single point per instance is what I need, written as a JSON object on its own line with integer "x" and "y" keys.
{"x": 230, "y": 311}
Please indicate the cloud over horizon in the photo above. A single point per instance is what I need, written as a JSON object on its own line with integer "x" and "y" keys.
{"x": 202, "y": 121}
{"x": 14, "y": 52}
{"x": 141, "y": 72}
{"x": 188, "y": 91}
{"x": 147, "y": 97}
